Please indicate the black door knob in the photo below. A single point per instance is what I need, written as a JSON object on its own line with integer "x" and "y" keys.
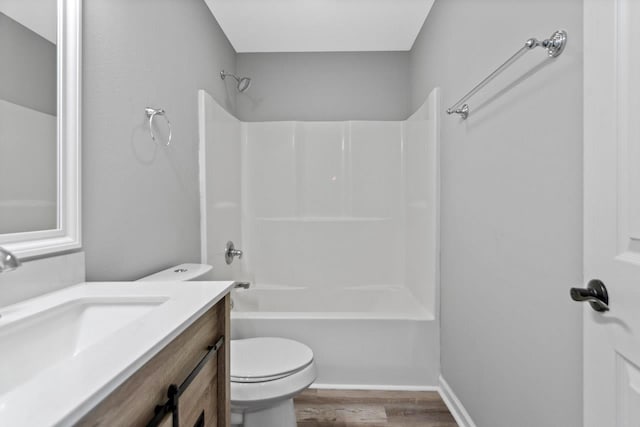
{"x": 595, "y": 293}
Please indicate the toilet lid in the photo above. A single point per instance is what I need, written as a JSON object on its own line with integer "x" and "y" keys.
{"x": 267, "y": 359}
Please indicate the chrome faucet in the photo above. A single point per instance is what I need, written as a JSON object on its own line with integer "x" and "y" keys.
{"x": 8, "y": 261}
{"x": 230, "y": 252}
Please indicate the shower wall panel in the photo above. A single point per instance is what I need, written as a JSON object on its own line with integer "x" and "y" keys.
{"x": 323, "y": 203}
{"x": 268, "y": 160}
{"x": 422, "y": 200}
{"x": 320, "y": 151}
{"x": 220, "y": 215}
{"x": 376, "y": 169}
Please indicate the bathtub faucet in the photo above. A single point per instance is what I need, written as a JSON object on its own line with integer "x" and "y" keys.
{"x": 230, "y": 252}
{"x": 241, "y": 285}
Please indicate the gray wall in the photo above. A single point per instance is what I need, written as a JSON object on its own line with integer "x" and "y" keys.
{"x": 28, "y": 71}
{"x": 140, "y": 199}
{"x": 511, "y": 209}
{"x": 325, "y": 86}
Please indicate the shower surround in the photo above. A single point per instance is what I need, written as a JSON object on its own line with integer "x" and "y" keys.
{"x": 339, "y": 226}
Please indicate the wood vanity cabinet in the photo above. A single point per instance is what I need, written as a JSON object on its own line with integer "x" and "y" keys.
{"x": 204, "y": 403}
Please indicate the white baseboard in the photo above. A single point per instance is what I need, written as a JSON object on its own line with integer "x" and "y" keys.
{"x": 375, "y": 387}
{"x": 460, "y": 414}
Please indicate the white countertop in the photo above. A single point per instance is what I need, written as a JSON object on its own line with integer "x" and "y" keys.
{"x": 62, "y": 393}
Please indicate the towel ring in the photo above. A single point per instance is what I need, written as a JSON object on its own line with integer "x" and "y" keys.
{"x": 151, "y": 113}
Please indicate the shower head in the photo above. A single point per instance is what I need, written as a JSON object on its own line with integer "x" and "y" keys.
{"x": 243, "y": 82}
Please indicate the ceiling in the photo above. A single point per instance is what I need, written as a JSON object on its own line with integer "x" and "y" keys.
{"x": 44, "y": 22}
{"x": 320, "y": 25}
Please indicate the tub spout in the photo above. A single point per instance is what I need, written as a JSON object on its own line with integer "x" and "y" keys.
{"x": 241, "y": 285}
{"x": 8, "y": 261}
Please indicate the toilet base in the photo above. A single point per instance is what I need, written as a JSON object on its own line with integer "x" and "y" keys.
{"x": 280, "y": 415}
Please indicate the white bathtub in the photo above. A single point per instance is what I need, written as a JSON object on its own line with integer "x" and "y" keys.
{"x": 362, "y": 337}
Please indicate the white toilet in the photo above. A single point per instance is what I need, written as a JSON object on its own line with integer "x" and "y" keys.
{"x": 266, "y": 372}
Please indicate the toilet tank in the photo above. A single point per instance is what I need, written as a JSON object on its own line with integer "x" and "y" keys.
{"x": 180, "y": 273}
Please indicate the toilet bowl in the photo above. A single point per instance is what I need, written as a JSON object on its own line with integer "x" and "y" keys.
{"x": 266, "y": 372}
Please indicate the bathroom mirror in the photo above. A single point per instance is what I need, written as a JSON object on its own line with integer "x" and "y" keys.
{"x": 39, "y": 126}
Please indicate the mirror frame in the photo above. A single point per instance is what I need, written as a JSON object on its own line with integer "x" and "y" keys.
{"x": 67, "y": 235}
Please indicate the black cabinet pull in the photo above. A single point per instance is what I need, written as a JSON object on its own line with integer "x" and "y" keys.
{"x": 171, "y": 406}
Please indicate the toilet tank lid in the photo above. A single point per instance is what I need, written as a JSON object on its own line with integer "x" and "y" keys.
{"x": 179, "y": 273}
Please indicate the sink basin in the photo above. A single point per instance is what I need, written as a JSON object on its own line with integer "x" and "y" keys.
{"x": 40, "y": 340}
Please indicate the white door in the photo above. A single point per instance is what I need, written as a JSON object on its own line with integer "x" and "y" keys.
{"x": 612, "y": 211}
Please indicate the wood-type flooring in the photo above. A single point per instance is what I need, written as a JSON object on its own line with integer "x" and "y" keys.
{"x": 358, "y": 408}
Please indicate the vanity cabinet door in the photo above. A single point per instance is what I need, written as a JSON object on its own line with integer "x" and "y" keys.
{"x": 199, "y": 403}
